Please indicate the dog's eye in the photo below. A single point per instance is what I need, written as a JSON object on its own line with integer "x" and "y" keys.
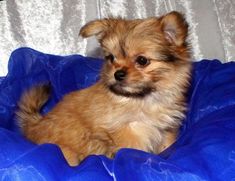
{"x": 110, "y": 57}
{"x": 142, "y": 61}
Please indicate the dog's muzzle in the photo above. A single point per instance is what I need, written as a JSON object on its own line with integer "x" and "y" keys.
{"x": 120, "y": 75}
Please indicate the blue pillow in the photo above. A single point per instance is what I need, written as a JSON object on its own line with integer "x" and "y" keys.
{"x": 205, "y": 149}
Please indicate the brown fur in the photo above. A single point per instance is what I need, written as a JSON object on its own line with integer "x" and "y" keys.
{"x": 143, "y": 111}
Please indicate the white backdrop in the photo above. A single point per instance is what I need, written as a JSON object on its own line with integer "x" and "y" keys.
{"x": 52, "y": 26}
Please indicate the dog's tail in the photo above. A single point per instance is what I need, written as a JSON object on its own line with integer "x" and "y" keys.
{"x": 30, "y": 104}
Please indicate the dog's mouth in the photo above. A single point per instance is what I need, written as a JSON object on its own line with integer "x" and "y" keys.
{"x": 126, "y": 91}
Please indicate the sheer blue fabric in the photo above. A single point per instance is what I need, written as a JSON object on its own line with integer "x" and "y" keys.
{"x": 204, "y": 150}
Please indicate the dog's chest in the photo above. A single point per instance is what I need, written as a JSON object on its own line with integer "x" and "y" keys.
{"x": 144, "y": 126}
{"x": 147, "y": 130}
{"x": 138, "y": 124}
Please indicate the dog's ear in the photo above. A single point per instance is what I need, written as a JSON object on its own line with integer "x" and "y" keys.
{"x": 175, "y": 28}
{"x": 93, "y": 28}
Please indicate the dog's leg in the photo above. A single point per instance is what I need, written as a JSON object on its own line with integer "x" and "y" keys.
{"x": 169, "y": 139}
{"x": 100, "y": 143}
{"x": 70, "y": 155}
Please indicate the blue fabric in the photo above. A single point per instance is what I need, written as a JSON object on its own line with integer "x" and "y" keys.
{"x": 205, "y": 149}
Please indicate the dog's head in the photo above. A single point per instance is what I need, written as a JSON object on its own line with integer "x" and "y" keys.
{"x": 144, "y": 55}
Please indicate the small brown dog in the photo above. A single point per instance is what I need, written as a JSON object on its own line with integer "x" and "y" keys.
{"x": 138, "y": 102}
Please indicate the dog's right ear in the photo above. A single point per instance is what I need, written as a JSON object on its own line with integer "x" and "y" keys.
{"x": 94, "y": 28}
{"x": 175, "y": 28}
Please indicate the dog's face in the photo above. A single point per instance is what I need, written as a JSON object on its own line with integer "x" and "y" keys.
{"x": 142, "y": 56}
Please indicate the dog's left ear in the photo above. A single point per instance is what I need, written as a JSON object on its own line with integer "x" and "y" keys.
{"x": 94, "y": 28}
{"x": 175, "y": 28}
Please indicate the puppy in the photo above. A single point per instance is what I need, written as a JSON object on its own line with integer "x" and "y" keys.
{"x": 138, "y": 102}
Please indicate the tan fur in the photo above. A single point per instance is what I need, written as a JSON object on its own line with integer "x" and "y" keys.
{"x": 143, "y": 111}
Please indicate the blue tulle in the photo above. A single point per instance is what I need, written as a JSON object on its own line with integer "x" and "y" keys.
{"x": 205, "y": 149}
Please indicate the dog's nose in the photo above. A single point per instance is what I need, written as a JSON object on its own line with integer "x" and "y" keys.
{"x": 120, "y": 75}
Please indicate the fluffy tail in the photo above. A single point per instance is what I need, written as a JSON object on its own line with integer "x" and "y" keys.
{"x": 30, "y": 104}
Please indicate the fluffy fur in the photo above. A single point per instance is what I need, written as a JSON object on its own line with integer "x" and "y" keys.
{"x": 139, "y": 101}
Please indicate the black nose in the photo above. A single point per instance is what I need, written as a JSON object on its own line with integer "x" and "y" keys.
{"x": 120, "y": 75}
